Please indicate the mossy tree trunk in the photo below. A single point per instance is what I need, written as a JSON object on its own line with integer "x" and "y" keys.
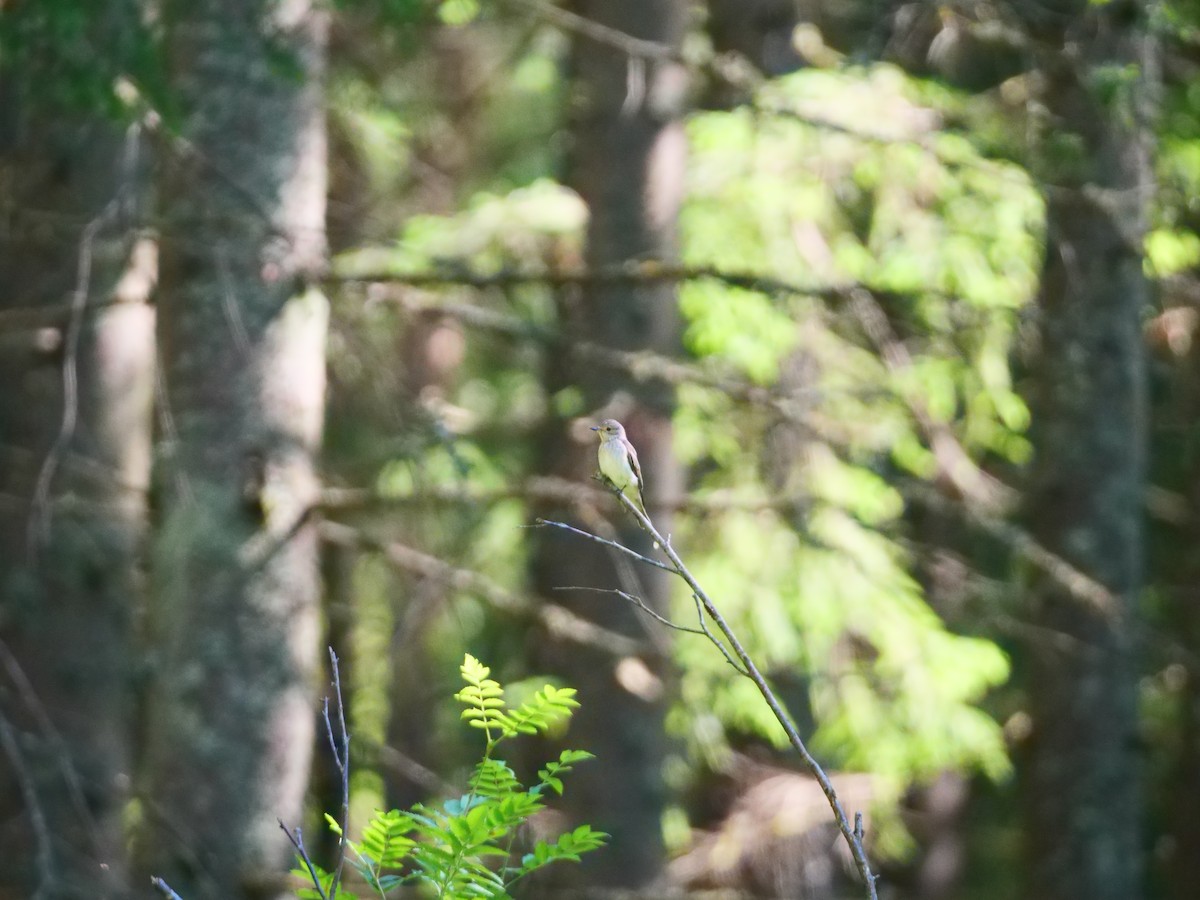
{"x": 241, "y": 333}
{"x": 76, "y": 389}
{"x": 1085, "y": 496}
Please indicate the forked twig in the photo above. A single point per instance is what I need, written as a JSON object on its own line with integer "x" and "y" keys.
{"x": 703, "y": 630}
{"x": 297, "y": 839}
{"x": 614, "y": 544}
{"x": 341, "y": 758}
{"x": 853, "y": 834}
{"x": 340, "y": 746}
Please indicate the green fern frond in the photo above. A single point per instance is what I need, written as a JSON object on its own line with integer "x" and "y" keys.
{"x": 550, "y": 775}
{"x": 568, "y": 846}
{"x": 483, "y": 698}
{"x": 493, "y": 778}
{"x": 385, "y": 838}
{"x": 452, "y": 850}
{"x": 497, "y": 817}
{"x": 543, "y": 710}
{"x": 473, "y": 879}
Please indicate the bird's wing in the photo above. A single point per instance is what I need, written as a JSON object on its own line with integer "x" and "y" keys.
{"x": 637, "y": 472}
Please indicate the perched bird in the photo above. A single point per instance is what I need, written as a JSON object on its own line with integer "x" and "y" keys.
{"x": 619, "y": 461}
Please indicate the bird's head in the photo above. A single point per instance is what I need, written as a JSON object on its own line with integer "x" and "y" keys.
{"x": 609, "y": 428}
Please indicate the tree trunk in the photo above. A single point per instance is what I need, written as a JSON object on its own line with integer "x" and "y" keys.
{"x": 1085, "y": 498}
{"x": 74, "y": 469}
{"x": 234, "y": 620}
{"x": 627, "y": 162}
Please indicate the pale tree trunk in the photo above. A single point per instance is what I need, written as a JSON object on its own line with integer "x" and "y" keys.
{"x": 627, "y": 160}
{"x": 234, "y": 617}
{"x": 1085, "y": 500}
{"x": 74, "y": 470}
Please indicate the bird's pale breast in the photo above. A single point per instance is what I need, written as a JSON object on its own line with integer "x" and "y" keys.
{"x": 614, "y": 463}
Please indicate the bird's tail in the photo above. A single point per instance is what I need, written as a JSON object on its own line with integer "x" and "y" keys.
{"x": 640, "y": 500}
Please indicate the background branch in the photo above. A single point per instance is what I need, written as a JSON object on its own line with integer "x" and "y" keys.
{"x": 557, "y": 619}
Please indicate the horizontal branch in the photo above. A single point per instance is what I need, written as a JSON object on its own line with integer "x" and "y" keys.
{"x": 636, "y": 272}
{"x": 640, "y": 365}
{"x": 546, "y": 490}
{"x": 557, "y": 619}
{"x": 605, "y": 35}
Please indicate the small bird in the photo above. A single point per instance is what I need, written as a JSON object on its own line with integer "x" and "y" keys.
{"x": 619, "y": 461}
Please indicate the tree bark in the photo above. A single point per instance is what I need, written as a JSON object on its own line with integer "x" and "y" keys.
{"x": 626, "y": 161}
{"x": 234, "y": 620}
{"x": 74, "y": 469}
{"x": 1080, "y": 781}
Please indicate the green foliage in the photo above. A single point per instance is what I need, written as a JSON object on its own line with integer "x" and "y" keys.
{"x": 83, "y": 57}
{"x": 458, "y": 12}
{"x": 1172, "y": 246}
{"x": 485, "y": 707}
{"x": 565, "y": 763}
{"x": 496, "y": 230}
{"x": 384, "y": 838}
{"x": 950, "y": 244}
{"x": 948, "y": 240}
{"x": 1169, "y": 251}
{"x": 447, "y": 848}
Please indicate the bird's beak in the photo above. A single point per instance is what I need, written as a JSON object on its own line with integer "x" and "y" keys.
{"x": 594, "y": 428}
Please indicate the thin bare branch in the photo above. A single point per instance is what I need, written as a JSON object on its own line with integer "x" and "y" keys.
{"x": 163, "y": 888}
{"x": 44, "y": 855}
{"x": 118, "y": 205}
{"x": 615, "y": 545}
{"x": 853, "y": 839}
{"x": 39, "y": 517}
{"x": 297, "y": 839}
{"x": 341, "y": 758}
{"x": 703, "y": 630}
{"x": 391, "y": 758}
{"x": 636, "y": 601}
